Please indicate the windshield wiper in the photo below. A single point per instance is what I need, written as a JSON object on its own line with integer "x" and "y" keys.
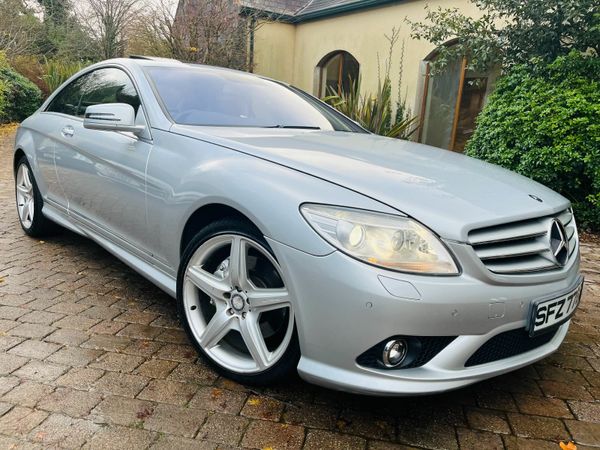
{"x": 301, "y": 127}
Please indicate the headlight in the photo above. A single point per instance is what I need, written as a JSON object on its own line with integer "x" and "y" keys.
{"x": 384, "y": 240}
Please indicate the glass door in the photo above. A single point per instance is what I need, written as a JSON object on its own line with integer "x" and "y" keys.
{"x": 440, "y": 103}
{"x": 451, "y": 101}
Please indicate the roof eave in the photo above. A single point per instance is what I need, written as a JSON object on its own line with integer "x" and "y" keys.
{"x": 264, "y": 14}
{"x": 341, "y": 9}
{"x": 316, "y": 15}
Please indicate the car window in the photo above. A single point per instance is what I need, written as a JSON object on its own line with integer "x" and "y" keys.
{"x": 196, "y": 95}
{"x": 108, "y": 85}
{"x": 67, "y": 100}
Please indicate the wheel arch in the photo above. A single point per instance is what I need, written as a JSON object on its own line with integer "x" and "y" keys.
{"x": 19, "y": 153}
{"x": 205, "y": 215}
{"x": 25, "y": 146}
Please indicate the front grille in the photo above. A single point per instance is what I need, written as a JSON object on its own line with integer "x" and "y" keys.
{"x": 507, "y": 344}
{"x": 421, "y": 350}
{"x": 522, "y": 247}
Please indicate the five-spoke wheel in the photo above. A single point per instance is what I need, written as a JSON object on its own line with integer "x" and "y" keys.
{"x": 29, "y": 201}
{"x": 236, "y": 306}
{"x": 25, "y": 197}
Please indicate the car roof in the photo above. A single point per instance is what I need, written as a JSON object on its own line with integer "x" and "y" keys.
{"x": 155, "y": 61}
{"x": 143, "y": 60}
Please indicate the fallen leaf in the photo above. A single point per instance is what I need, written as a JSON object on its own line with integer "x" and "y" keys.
{"x": 254, "y": 401}
{"x": 568, "y": 446}
{"x": 41, "y": 435}
{"x": 216, "y": 393}
{"x": 8, "y": 128}
{"x": 144, "y": 413}
{"x": 342, "y": 424}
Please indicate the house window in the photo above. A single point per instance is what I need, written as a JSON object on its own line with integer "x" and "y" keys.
{"x": 451, "y": 101}
{"x": 336, "y": 72}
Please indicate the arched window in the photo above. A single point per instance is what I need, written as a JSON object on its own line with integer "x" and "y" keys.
{"x": 451, "y": 101}
{"x": 336, "y": 70}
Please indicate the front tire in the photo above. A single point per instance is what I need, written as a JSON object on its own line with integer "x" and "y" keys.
{"x": 29, "y": 202}
{"x": 234, "y": 305}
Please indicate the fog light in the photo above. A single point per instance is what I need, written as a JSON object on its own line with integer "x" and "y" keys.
{"x": 394, "y": 352}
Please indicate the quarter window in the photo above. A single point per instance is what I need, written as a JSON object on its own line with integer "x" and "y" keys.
{"x": 108, "y": 85}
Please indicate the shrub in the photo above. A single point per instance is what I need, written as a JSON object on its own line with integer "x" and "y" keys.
{"x": 3, "y": 95}
{"x": 30, "y": 67}
{"x": 19, "y": 97}
{"x": 543, "y": 121}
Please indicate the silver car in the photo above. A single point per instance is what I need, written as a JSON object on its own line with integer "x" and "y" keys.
{"x": 293, "y": 239}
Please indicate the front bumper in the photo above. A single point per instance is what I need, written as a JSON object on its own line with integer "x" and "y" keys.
{"x": 343, "y": 308}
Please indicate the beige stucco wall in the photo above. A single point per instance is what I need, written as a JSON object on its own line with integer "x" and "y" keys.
{"x": 274, "y": 50}
{"x": 362, "y": 33}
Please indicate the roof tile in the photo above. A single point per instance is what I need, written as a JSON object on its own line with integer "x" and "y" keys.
{"x": 321, "y": 5}
{"x": 287, "y": 7}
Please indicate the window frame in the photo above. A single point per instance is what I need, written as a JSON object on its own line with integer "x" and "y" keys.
{"x": 112, "y": 81}
{"x": 88, "y": 71}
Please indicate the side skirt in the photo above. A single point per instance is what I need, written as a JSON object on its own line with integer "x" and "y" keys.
{"x": 148, "y": 271}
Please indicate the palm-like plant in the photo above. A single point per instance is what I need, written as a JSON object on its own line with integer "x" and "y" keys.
{"x": 373, "y": 112}
{"x": 57, "y": 71}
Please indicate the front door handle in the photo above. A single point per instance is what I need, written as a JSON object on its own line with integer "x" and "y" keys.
{"x": 68, "y": 131}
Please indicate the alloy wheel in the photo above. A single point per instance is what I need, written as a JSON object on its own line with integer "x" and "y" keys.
{"x": 25, "y": 196}
{"x": 237, "y": 305}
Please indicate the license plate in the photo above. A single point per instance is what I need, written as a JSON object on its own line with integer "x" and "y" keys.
{"x": 552, "y": 312}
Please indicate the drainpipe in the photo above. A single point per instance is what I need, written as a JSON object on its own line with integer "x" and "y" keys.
{"x": 251, "y": 49}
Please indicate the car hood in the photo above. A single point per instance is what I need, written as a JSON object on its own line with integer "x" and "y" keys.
{"x": 447, "y": 191}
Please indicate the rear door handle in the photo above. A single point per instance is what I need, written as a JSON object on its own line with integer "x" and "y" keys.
{"x": 68, "y": 131}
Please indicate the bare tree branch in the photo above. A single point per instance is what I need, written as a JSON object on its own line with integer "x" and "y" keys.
{"x": 19, "y": 28}
{"x": 211, "y": 32}
{"x": 108, "y": 22}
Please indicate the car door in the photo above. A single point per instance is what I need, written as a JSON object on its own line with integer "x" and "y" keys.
{"x": 48, "y": 124}
{"x": 102, "y": 173}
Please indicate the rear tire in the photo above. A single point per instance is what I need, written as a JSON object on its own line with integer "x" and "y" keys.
{"x": 29, "y": 202}
{"x": 257, "y": 343}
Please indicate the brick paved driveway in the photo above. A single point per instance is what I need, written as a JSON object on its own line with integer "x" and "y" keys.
{"x": 91, "y": 355}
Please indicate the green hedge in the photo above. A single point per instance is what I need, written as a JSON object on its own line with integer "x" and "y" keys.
{"x": 3, "y": 95}
{"x": 19, "y": 97}
{"x": 543, "y": 121}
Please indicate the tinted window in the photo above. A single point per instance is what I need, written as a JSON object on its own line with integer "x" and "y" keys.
{"x": 205, "y": 96}
{"x": 100, "y": 86}
{"x": 67, "y": 100}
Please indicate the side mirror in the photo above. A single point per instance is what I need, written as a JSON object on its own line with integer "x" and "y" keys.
{"x": 111, "y": 117}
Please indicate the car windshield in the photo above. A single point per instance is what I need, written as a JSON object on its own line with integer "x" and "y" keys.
{"x": 211, "y": 97}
